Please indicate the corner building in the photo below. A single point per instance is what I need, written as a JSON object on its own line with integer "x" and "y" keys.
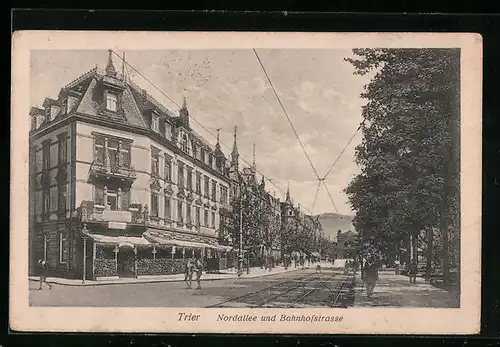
{"x": 120, "y": 185}
{"x": 300, "y": 232}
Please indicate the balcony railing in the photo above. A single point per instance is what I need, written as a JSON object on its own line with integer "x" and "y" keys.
{"x": 206, "y": 231}
{"x": 99, "y": 214}
{"x": 106, "y": 170}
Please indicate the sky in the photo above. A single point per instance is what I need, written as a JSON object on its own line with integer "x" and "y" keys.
{"x": 227, "y": 88}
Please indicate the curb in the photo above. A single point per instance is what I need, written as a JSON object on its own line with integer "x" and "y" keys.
{"x": 162, "y": 280}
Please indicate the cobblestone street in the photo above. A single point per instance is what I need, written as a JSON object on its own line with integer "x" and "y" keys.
{"x": 301, "y": 288}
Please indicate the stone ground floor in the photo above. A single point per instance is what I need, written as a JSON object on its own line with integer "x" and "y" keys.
{"x": 116, "y": 260}
{"x": 391, "y": 290}
{"x": 140, "y": 250}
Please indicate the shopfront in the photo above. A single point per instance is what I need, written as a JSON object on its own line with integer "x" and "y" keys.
{"x": 151, "y": 255}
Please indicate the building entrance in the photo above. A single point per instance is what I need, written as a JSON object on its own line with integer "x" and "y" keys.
{"x": 126, "y": 262}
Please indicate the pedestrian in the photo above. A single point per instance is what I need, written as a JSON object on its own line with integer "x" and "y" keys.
{"x": 346, "y": 266}
{"x": 44, "y": 267}
{"x": 199, "y": 270}
{"x": 370, "y": 276}
{"x": 188, "y": 273}
{"x": 396, "y": 267}
{"x": 412, "y": 272}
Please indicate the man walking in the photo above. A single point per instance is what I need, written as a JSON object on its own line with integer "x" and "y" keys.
{"x": 199, "y": 270}
{"x": 188, "y": 273}
{"x": 370, "y": 276}
{"x": 43, "y": 265}
{"x": 412, "y": 271}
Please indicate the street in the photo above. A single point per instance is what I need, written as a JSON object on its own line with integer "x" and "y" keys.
{"x": 301, "y": 288}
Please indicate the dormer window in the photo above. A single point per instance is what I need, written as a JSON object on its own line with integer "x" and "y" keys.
{"x": 155, "y": 122}
{"x": 168, "y": 131}
{"x": 47, "y": 114}
{"x": 202, "y": 155}
{"x": 39, "y": 120}
{"x": 184, "y": 143}
{"x": 195, "y": 149}
{"x": 111, "y": 102}
{"x": 65, "y": 106}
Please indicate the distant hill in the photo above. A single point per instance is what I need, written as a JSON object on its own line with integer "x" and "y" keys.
{"x": 333, "y": 222}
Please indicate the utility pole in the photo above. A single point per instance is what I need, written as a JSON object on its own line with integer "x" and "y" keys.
{"x": 240, "y": 255}
{"x": 84, "y": 235}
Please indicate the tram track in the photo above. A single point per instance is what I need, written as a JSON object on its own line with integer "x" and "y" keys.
{"x": 336, "y": 293}
{"x": 284, "y": 294}
{"x": 312, "y": 289}
{"x": 246, "y": 296}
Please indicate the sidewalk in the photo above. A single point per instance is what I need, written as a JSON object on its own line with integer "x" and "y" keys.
{"x": 396, "y": 291}
{"x": 224, "y": 275}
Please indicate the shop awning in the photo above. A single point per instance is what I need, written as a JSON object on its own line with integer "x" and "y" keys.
{"x": 120, "y": 240}
{"x": 159, "y": 238}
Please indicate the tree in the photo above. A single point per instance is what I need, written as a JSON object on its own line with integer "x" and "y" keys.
{"x": 409, "y": 178}
{"x": 257, "y": 222}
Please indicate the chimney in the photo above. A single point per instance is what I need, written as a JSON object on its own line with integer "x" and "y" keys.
{"x": 144, "y": 95}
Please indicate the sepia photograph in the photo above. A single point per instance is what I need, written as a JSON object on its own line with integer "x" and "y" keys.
{"x": 311, "y": 180}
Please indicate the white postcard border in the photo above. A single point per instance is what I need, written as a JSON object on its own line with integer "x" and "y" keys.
{"x": 463, "y": 320}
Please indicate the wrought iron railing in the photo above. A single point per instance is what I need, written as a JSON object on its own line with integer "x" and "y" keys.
{"x": 97, "y": 168}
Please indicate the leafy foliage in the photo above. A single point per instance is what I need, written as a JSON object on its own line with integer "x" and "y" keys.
{"x": 260, "y": 228}
{"x": 409, "y": 178}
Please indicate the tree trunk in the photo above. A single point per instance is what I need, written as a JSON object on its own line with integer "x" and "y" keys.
{"x": 446, "y": 257}
{"x": 414, "y": 246}
{"x": 408, "y": 249}
{"x": 445, "y": 205}
{"x": 428, "y": 270}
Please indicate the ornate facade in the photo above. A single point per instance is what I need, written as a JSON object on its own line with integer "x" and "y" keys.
{"x": 106, "y": 156}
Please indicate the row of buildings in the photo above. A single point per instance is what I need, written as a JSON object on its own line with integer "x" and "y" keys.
{"x": 122, "y": 186}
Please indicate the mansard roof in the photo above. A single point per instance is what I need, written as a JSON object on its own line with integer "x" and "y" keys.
{"x": 135, "y": 102}
{"x": 49, "y": 102}
{"x": 89, "y": 105}
{"x": 146, "y": 101}
{"x": 34, "y": 111}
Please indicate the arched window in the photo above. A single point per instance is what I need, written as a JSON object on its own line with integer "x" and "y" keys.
{"x": 184, "y": 143}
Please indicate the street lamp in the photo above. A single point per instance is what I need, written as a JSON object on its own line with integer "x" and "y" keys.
{"x": 84, "y": 234}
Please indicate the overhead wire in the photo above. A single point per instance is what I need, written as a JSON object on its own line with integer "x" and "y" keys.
{"x": 335, "y": 162}
{"x": 299, "y": 222}
{"x": 316, "y": 196}
{"x": 330, "y": 196}
{"x": 286, "y": 114}
{"x": 193, "y": 118}
{"x": 296, "y": 134}
{"x": 343, "y": 150}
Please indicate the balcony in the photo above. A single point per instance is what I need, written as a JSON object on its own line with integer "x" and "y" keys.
{"x": 206, "y": 231}
{"x": 100, "y": 214}
{"x": 106, "y": 171}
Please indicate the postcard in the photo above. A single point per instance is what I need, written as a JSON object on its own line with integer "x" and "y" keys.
{"x": 244, "y": 182}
